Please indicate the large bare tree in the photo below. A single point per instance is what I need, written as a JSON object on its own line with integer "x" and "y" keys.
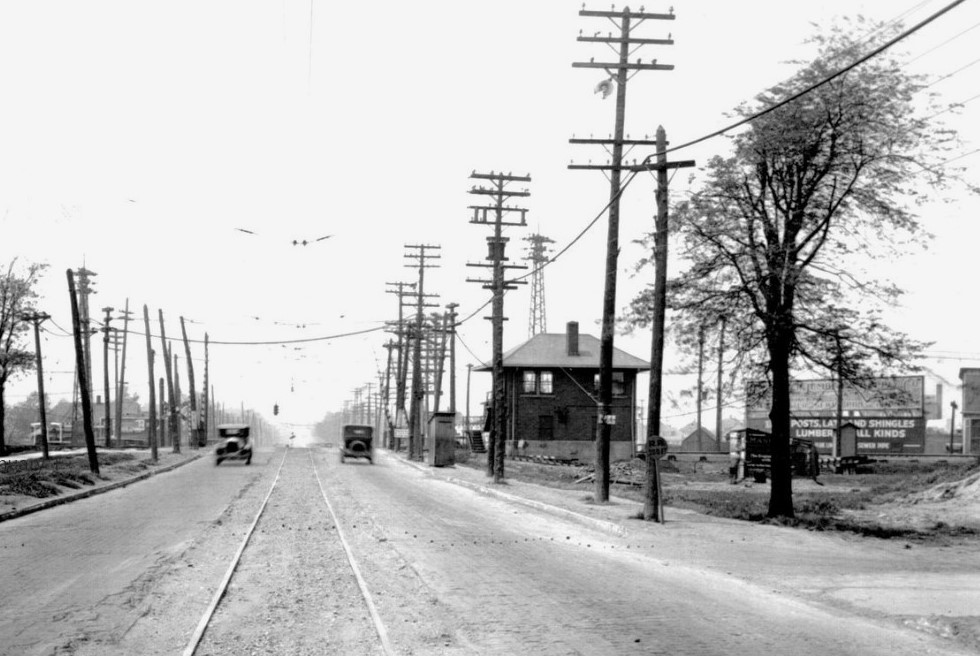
{"x": 778, "y": 234}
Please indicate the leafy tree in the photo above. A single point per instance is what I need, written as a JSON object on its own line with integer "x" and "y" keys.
{"x": 778, "y": 233}
{"x": 17, "y": 296}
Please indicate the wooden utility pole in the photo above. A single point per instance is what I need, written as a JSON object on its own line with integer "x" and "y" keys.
{"x": 451, "y": 319}
{"x": 700, "y": 385}
{"x": 165, "y": 428}
{"x": 121, "y": 385}
{"x": 175, "y": 411}
{"x": 195, "y": 420}
{"x": 386, "y": 398}
{"x": 105, "y": 371}
{"x": 498, "y": 196}
{"x": 206, "y": 400}
{"x": 653, "y": 502}
{"x": 83, "y": 383}
{"x": 720, "y": 391}
{"x": 469, "y": 372}
{"x": 84, "y": 290}
{"x": 172, "y": 414}
{"x": 421, "y": 253}
{"x": 618, "y": 74}
{"x": 36, "y": 318}
{"x": 151, "y": 434}
{"x": 401, "y": 366}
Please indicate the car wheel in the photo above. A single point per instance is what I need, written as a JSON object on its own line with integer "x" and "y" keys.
{"x": 217, "y": 461}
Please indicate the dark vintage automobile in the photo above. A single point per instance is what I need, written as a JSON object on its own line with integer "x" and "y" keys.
{"x": 357, "y": 442}
{"x": 234, "y": 443}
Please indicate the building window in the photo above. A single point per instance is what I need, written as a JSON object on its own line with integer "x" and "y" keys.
{"x": 618, "y": 383}
{"x": 546, "y": 427}
{"x": 538, "y": 382}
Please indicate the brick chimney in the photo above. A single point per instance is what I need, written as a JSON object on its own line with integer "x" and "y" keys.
{"x": 571, "y": 338}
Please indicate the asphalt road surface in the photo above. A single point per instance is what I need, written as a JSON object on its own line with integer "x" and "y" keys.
{"x": 449, "y": 571}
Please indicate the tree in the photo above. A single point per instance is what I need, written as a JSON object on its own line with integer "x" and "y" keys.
{"x": 777, "y": 234}
{"x": 17, "y": 296}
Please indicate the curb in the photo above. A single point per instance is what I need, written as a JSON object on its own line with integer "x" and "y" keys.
{"x": 75, "y": 496}
{"x": 591, "y": 522}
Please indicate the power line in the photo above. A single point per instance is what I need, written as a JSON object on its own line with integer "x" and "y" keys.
{"x": 717, "y": 133}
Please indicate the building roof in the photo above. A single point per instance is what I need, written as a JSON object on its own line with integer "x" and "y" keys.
{"x": 550, "y": 350}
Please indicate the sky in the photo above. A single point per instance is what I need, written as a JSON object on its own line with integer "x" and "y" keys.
{"x": 141, "y": 140}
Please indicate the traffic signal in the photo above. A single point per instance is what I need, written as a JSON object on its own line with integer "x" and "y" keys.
{"x": 275, "y": 409}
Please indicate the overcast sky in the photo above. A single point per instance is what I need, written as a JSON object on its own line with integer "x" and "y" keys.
{"x": 136, "y": 138}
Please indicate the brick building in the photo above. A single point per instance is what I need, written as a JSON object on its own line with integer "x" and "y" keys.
{"x": 552, "y": 388}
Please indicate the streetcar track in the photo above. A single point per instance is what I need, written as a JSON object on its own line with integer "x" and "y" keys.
{"x": 219, "y": 594}
{"x": 361, "y": 584}
{"x": 223, "y": 586}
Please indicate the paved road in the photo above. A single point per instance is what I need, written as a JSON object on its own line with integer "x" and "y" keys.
{"x": 450, "y": 571}
{"x": 74, "y": 573}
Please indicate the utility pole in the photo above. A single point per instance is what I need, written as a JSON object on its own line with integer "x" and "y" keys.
{"x": 439, "y": 335}
{"x": 401, "y": 366}
{"x": 165, "y": 427}
{"x": 205, "y": 399}
{"x": 84, "y": 290}
{"x": 105, "y": 370}
{"x": 36, "y": 318}
{"x": 419, "y": 252}
{"x": 839, "y": 367}
{"x": 469, "y": 372}
{"x": 720, "y": 391}
{"x": 83, "y": 382}
{"x": 653, "y": 501}
{"x": 618, "y": 74}
{"x": 151, "y": 434}
{"x": 121, "y": 391}
{"x": 172, "y": 414}
{"x": 386, "y": 398}
{"x": 451, "y": 319}
{"x": 195, "y": 420}
{"x": 176, "y": 400}
{"x": 493, "y": 214}
{"x": 537, "y": 255}
{"x": 700, "y": 378}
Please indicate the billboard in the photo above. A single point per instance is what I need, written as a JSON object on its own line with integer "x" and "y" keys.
{"x": 875, "y": 435}
{"x": 892, "y": 395}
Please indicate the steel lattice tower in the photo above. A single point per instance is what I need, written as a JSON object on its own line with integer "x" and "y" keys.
{"x": 537, "y": 255}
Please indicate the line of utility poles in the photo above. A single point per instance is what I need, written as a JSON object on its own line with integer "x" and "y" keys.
{"x": 619, "y": 72}
{"x": 402, "y": 290}
{"x": 494, "y": 214}
{"x": 422, "y": 253}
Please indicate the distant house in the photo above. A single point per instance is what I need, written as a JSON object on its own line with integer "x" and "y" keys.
{"x": 552, "y": 387}
{"x": 706, "y": 440}
{"x": 703, "y": 440}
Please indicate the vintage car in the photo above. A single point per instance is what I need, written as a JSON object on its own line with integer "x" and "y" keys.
{"x": 234, "y": 443}
{"x": 357, "y": 442}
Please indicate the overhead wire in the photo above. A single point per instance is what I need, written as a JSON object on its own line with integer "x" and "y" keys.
{"x": 744, "y": 121}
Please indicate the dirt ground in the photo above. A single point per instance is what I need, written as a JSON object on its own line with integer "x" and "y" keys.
{"x": 109, "y": 474}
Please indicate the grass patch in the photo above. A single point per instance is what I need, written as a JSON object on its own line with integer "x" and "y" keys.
{"x": 41, "y": 478}
{"x": 815, "y": 509}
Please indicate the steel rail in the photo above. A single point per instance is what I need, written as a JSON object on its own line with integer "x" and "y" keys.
{"x": 378, "y": 625}
{"x": 223, "y": 587}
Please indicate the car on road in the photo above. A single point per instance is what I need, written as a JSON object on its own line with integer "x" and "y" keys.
{"x": 357, "y": 442}
{"x": 234, "y": 443}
